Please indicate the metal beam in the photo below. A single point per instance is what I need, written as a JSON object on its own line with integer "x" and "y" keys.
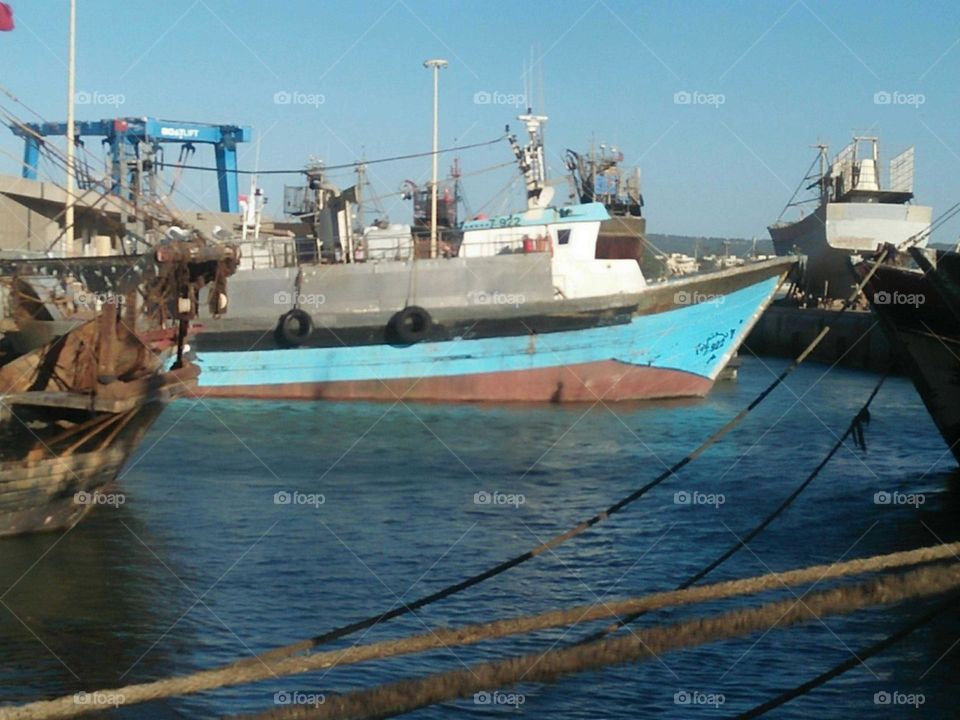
{"x": 124, "y": 134}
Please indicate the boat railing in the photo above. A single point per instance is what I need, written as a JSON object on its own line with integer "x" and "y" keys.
{"x": 288, "y": 252}
{"x": 515, "y": 244}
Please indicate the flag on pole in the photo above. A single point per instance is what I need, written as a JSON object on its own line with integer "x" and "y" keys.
{"x": 6, "y": 17}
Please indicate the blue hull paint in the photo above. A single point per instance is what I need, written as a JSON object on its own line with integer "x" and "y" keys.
{"x": 697, "y": 338}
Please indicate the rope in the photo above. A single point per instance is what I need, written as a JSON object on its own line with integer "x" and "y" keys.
{"x": 406, "y": 695}
{"x": 246, "y": 672}
{"x": 806, "y": 176}
{"x": 856, "y": 659}
{"x": 584, "y": 525}
{"x": 855, "y": 428}
{"x": 296, "y": 648}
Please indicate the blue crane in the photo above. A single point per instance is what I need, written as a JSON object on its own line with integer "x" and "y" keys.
{"x": 135, "y": 142}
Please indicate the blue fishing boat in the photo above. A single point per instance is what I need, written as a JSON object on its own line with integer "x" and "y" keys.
{"x": 518, "y": 307}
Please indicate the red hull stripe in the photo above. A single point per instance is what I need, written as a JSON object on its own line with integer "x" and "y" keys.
{"x": 606, "y": 380}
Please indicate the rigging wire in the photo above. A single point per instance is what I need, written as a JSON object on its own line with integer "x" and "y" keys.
{"x": 377, "y": 161}
{"x": 856, "y": 659}
{"x": 855, "y": 428}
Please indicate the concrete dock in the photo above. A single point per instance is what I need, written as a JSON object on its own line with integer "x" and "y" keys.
{"x": 855, "y": 341}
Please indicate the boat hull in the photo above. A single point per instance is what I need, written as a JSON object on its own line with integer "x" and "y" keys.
{"x": 54, "y": 493}
{"x": 832, "y": 233}
{"x": 606, "y": 380}
{"x": 43, "y": 495}
{"x": 669, "y": 341}
{"x": 925, "y": 336}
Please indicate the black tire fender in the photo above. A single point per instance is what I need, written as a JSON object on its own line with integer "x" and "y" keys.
{"x": 294, "y": 328}
{"x": 411, "y": 325}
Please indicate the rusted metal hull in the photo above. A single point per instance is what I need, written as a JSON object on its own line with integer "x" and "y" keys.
{"x": 53, "y": 493}
{"x": 608, "y": 380}
{"x": 86, "y": 380}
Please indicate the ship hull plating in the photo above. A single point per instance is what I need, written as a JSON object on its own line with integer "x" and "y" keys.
{"x": 670, "y": 341}
{"x": 831, "y": 234}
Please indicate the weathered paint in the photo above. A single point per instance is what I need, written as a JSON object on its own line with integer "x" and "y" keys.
{"x": 675, "y": 353}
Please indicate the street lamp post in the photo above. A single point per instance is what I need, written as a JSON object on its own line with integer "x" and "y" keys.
{"x": 68, "y": 248}
{"x": 435, "y": 65}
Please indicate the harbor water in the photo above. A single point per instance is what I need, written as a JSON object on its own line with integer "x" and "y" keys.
{"x": 290, "y": 519}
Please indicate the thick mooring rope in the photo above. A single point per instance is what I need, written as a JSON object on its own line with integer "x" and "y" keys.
{"x": 240, "y": 674}
{"x": 407, "y": 695}
{"x": 300, "y": 647}
{"x": 585, "y": 525}
{"x": 856, "y": 659}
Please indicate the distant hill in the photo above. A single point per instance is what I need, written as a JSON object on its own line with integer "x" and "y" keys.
{"x": 708, "y": 245}
{"x": 692, "y": 246}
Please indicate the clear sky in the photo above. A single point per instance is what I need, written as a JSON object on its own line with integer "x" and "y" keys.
{"x": 765, "y": 79}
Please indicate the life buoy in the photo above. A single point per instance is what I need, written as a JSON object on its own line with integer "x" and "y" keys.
{"x": 410, "y": 325}
{"x": 293, "y": 328}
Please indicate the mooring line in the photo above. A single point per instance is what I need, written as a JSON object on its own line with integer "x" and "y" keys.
{"x": 583, "y": 526}
{"x": 293, "y": 649}
{"x": 438, "y": 638}
{"x": 395, "y": 698}
{"x": 854, "y": 428}
{"x": 858, "y": 659}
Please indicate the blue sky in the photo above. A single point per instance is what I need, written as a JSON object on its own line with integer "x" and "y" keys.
{"x": 789, "y": 74}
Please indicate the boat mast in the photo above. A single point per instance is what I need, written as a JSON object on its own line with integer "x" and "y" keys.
{"x": 361, "y": 181}
{"x": 530, "y": 158}
{"x": 824, "y": 179}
